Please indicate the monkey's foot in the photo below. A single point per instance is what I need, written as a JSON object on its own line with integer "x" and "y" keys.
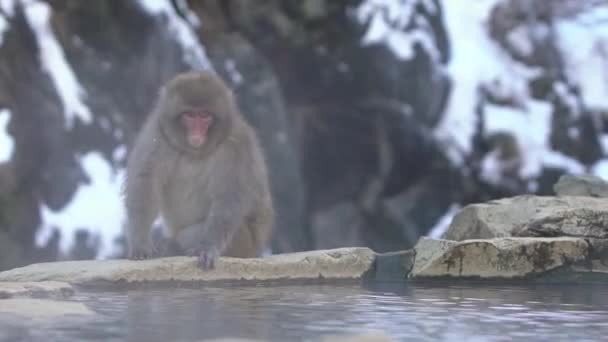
{"x": 206, "y": 257}
{"x": 142, "y": 253}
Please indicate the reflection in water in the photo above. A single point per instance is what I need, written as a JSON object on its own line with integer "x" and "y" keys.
{"x": 421, "y": 313}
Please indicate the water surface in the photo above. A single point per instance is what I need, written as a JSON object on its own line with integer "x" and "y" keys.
{"x": 299, "y": 312}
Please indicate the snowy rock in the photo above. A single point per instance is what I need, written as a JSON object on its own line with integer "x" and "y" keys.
{"x": 583, "y": 185}
{"x": 531, "y": 216}
{"x": 347, "y": 263}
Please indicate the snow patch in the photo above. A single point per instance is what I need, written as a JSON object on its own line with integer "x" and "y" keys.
{"x": 600, "y": 169}
{"x": 4, "y": 25}
{"x": 194, "y": 53}
{"x": 97, "y": 206}
{"x": 7, "y": 143}
{"x": 444, "y": 222}
{"x": 120, "y": 153}
{"x": 53, "y": 62}
{"x": 388, "y": 22}
{"x": 519, "y": 38}
{"x": 191, "y": 17}
{"x": 8, "y": 7}
{"x": 468, "y": 67}
{"x": 530, "y": 127}
{"x": 479, "y": 63}
{"x": 233, "y": 72}
{"x": 604, "y": 142}
{"x": 583, "y": 41}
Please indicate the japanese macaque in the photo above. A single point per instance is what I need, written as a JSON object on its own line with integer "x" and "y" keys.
{"x": 199, "y": 165}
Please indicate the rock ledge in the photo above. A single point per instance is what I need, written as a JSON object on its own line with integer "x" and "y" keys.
{"x": 344, "y": 263}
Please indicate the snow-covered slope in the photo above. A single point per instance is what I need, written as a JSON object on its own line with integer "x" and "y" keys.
{"x": 477, "y": 61}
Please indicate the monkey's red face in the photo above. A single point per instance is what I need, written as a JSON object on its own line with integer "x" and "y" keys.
{"x": 196, "y": 123}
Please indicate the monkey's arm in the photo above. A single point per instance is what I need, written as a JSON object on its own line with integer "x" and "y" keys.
{"x": 234, "y": 194}
{"x": 226, "y": 217}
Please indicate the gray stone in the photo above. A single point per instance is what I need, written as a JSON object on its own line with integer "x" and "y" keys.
{"x": 592, "y": 271}
{"x": 41, "y": 289}
{"x": 581, "y": 185}
{"x": 42, "y": 308}
{"x": 394, "y": 265}
{"x": 346, "y": 263}
{"x": 506, "y": 258}
{"x": 531, "y": 216}
{"x": 428, "y": 250}
{"x": 599, "y": 250}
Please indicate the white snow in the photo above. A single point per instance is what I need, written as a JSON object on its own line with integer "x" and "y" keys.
{"x": 600, "y": 169}
{"x": 530, "y": 127}
{"x": 53, "y": 62}
{"x": 468, "y": 67}
{"x": 194, "y": 53}
{"x": 492, "y": 167}
{"x": 3, "y": 28}
{"x": 519, "y": 38}
{"x": 97, "y": 206}
{"x": 6, "y": 141}
{"x": 478, "y": 61}
{"x": 444, "y": 222}
{"x": 191, "y": 17}
{"x": 568, "y": 98}
{"x": 119, "y": 153}
{"x": 387, "y": 22}
{"x": 584, "y": 44}
{"x": 604, "y": 142}
{"x": 233, "y": 72}
{"x": 8, "y": 7}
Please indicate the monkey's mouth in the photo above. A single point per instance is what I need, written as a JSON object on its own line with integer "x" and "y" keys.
{"x": 196, "y": 141}
{"x": 197, "y": 124}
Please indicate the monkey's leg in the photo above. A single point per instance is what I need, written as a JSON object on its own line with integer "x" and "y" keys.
{"x": 142, "y": 209}
{"x": 253, "y": 237}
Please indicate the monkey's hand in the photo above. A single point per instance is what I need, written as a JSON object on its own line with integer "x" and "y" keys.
{"x": 207, "y": 255}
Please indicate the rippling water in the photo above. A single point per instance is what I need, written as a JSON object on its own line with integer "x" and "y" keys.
{"x": 416, "y": 313}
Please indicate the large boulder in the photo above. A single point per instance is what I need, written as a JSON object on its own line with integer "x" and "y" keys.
{"x": 582, "y": 185}
{"x": 531, "y": 216}
{"x": 503, "y": 258}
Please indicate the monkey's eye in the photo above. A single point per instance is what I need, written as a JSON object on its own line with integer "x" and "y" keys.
{"x": 189, "y": 115}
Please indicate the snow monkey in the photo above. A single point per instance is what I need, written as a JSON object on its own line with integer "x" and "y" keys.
{"x": 198, "y": 164}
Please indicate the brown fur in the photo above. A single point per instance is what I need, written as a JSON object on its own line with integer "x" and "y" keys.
{"x": 215, "y": 200}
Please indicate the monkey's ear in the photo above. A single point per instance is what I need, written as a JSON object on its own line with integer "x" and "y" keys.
{"x": 162, "y": 92}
